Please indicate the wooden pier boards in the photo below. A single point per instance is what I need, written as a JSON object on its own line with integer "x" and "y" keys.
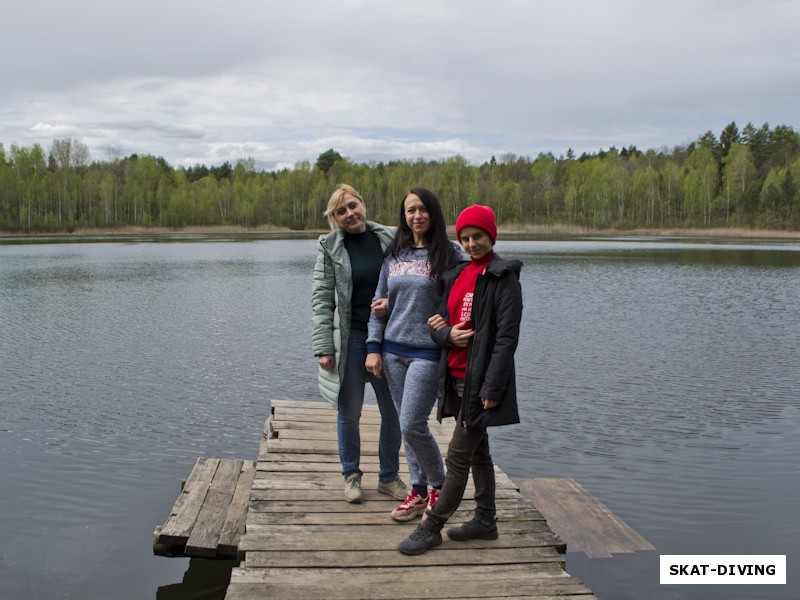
{"x": 208, "y": 517}
{"x": 587, "y": 524}
{"x": 303, "y": 541}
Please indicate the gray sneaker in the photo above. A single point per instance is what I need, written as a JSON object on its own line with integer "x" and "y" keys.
{"x": 422, "y": 539}
{"x": 396, "y": 489}
{"x": 475, "y": 529}
{"x": 352, "y": 488}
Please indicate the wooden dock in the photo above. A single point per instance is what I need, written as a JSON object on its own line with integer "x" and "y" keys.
{"x": 303, "y": 541}
{"x": 284, "y": 518}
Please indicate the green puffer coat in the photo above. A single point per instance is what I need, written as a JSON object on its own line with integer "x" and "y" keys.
{"x": 330, "y": 303}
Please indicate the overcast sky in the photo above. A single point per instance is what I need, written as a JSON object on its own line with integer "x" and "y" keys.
{"x": 205, "y": 82}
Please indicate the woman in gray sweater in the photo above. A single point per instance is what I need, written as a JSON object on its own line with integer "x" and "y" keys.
{"x": 401, "y": 343}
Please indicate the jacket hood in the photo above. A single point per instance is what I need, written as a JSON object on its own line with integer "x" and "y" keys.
{"x": 499, "y": 266}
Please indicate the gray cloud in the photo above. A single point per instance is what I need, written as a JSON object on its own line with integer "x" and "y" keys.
{"x": 204, "y": 82}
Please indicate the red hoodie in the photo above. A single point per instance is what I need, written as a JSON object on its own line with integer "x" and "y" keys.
{"x": 459, "y": 307}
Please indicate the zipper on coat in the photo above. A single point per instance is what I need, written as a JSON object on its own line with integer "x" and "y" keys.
{"x": 471, "y": 347}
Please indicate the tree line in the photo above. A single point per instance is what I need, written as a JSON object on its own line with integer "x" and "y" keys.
{"x": 748, "y": 178}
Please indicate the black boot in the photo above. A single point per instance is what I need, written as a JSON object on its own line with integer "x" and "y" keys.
{"x": 476, "y": 529}
{"x": 421, "y": 540}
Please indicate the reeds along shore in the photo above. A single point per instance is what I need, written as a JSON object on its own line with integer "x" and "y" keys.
{"x": 524, "y": 229}
{"x": 733, "y": 232}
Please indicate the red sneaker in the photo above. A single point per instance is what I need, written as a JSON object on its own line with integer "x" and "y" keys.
{"x": 414, "y": 504}
{"x": 432, "y": 498}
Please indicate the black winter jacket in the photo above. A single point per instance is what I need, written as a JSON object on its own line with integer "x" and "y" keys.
{"x": 496, "y": 316}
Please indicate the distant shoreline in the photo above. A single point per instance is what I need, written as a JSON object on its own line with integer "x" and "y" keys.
{"x": 738, "y": 232}
{"x": 545, "y": 230}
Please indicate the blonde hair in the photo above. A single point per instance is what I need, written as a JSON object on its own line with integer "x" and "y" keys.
{"x": 336, "y": 199}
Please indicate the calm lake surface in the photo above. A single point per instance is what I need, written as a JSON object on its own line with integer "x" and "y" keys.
{"x": 663, "y": 375}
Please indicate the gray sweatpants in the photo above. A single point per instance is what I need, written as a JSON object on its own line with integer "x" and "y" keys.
{"x": 413, "y": 383}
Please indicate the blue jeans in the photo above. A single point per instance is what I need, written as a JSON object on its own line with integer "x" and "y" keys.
{"x": 351, "y": 399}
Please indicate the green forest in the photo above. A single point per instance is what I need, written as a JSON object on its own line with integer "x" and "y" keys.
{"x": 748, "y": 178}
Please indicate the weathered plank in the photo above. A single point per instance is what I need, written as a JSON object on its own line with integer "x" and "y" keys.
{"x": 510, "y": 527}
{"x": 179, "y": 525}
{"x": 283, "y": 466}
{"x": 301, "y": 446}
{"x": 297, "y": 491}
{"x": 375, "y": 537}
{"x": 209, "y": 515}
{"x": 294, "y": 458}
{"x": 234, "y": 525}
{"x": 206, "y": 531}
{"x": 501, "y": 581}
{"x": 583, "y": 521}
{"x": 457, "y": 581}
{"x": 443, "y": 556}
{"x": 267, "y": 513}
{"x": 388, "y": 575}
{"x": 313, "y": 433}
{"x": 310, "y": 479}
{"x": 298, "y": 419}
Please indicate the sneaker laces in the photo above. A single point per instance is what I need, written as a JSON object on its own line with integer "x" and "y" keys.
{"x": 412, "y": 495}
{"x": 433, "y": 497}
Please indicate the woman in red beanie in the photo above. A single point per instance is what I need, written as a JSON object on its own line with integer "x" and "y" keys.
{"x": 478, "y": 322}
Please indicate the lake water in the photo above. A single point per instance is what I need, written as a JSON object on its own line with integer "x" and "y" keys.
{"x": 663, "y": 375}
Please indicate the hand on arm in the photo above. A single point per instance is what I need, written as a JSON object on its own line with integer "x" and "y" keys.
{"x": 380, "y": 307}
{"x": 374, "y": 364}
{"x": 436, "y": 322}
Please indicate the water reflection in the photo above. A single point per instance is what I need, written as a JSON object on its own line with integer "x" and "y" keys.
{"x": 204, "y": 580}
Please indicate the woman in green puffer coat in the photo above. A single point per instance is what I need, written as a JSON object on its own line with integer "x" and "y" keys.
{"x": 345, "y": 276}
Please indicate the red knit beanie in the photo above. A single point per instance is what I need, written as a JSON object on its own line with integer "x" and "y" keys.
{"x": 477, "y": 216}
